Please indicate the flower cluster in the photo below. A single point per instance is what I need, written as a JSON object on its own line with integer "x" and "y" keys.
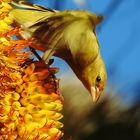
{"x": 30, "y": 102}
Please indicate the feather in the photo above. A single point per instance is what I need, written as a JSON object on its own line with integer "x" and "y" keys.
{"x": 69, "y": 35}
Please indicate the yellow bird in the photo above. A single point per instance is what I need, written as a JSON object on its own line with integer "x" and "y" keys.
{"x": 69, "y": 35}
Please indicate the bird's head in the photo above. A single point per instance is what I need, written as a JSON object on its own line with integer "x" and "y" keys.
{"x": 94, "y": 78}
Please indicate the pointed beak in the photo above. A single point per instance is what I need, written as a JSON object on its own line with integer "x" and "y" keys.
{"x": 95, "y": 93}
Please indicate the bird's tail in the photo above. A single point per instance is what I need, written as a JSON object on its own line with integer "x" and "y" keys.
{"x": 27, "y": 14}
{"x": 30, "y": 17}
{"x": 27, "y": 5}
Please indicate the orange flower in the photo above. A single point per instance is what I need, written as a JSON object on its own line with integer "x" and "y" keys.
{"x": 30, "y": 102}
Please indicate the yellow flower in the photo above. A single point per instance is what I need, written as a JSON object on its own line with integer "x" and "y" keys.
{"x": 30, "y": 102}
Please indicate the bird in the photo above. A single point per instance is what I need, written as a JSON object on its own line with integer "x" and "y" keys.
{"x": 69, "y": 35}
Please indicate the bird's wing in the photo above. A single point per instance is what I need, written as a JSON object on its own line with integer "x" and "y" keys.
{"x": 56, "y": 29}
{"x": 44, "y": 24}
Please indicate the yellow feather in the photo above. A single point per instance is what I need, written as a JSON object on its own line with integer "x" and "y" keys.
{"x": 70, "y": 35}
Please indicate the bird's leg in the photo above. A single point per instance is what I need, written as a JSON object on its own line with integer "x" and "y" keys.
{"x": 49, "y": 62}
{"x": 47, "y": 55}
{"x": 35, "y": 53}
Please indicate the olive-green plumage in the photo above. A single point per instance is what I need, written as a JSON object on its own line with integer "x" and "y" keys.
{"x": 68, "y": 34}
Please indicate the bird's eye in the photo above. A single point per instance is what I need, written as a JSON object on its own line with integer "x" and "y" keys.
{"x": 98, "y": 78}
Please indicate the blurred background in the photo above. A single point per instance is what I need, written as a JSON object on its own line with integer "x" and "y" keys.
{"x": 117, "y": 114}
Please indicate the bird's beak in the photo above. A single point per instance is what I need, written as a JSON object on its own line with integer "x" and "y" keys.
{"x": 95, "y": 93}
